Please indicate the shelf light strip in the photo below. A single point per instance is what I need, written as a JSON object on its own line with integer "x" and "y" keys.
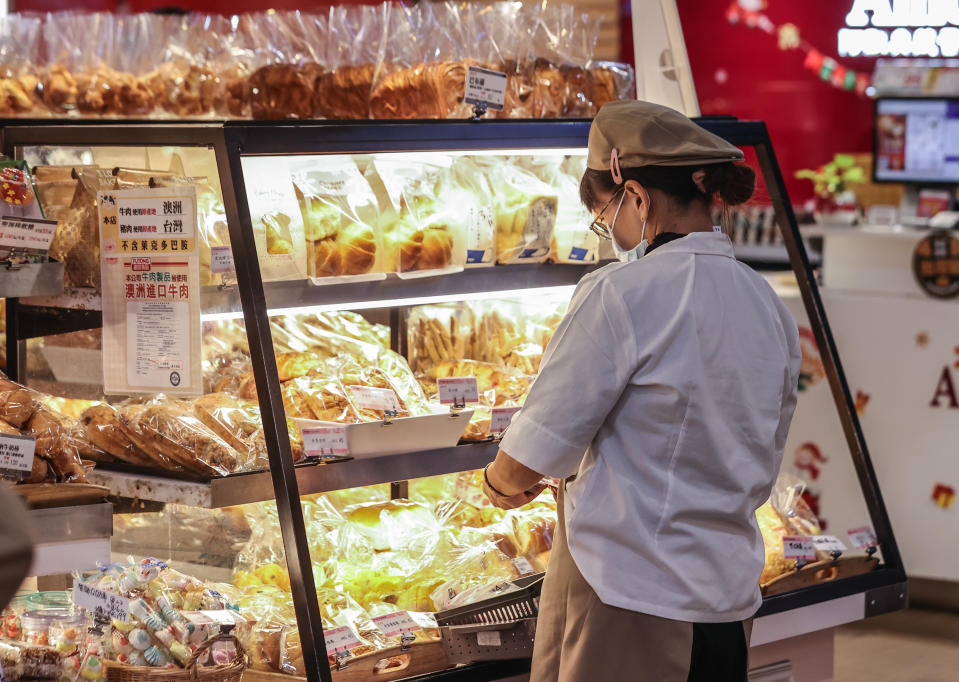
{"x": 564, "y": 291}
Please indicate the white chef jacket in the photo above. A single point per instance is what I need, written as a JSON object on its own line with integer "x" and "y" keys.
{"x": 676, "y": 375}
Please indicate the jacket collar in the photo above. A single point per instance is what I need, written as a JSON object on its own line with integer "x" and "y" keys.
{"x": 699, "y": 243}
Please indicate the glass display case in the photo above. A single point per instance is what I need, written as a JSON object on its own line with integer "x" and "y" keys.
{"x": 341, "y": 271}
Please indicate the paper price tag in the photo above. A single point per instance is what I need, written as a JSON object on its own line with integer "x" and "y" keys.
{"x": 101, "y": 602}
{"x": 395, "y": 624}
{"x": 489, "y": 638}
{"x": 16, "y": 453}
{"x": 863, "y": 538}
{"x": 341, "y": 639}
{"x": 27, "y": 233}
{"x": 799, "y": 548}
{"x": 458, "y": 390}
{"x": 501, "y": 417}
{"x": 485, "y": 87}
{"x": 221, "y": 259}
{"x": 325, "y": 440}
{"x": 369, "y": 398}
{"x": 523, "y": 566}
{"x": 828, "y": 543}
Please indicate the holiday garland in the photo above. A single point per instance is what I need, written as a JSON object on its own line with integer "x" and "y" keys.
{"x": 748, "y": 12}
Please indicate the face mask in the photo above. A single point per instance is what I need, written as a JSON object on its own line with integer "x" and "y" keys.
{"x": 622, "y": 254}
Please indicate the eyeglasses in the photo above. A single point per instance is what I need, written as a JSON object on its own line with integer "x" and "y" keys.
{"x": 599, "y": 226}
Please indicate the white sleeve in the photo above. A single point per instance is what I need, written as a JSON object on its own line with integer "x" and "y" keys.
{"x": 791, "y": 380}
{"x": 584, "y": 371}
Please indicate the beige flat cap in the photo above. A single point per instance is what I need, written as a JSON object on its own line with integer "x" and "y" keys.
{"x": 645, "y": 134}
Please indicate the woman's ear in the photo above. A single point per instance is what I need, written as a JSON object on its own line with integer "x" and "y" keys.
{"x": 637, "y": 192}
{"x": 698, "y": 178}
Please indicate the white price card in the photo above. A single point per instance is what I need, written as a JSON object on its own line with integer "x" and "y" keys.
{"x": 799, "y": 548}
{"x": 485, "y": 87}
{"x": 394, "y": 624}
{"x": 500, "y": 418}
{"x": 341, "y": 639}
{"x": 101, "y": 602}
{"x": 523, "y": 566}
{"x": 369, "y": 398}
{"x": 458, "y": 390}
{"x": 221, "y": 259}
{"x": 26, "y": 233}
{"x": 863, "y": 538}
{"x": 320, "y": 441}
{"x": 829, "y": 544}
{"x": 16, "y": 453}
{"x": 489, "y": 638}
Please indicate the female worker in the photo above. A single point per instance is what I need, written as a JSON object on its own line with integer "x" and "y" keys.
{"x": 663, "y": 401}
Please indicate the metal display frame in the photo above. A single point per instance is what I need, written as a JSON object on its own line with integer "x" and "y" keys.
{"x": 883, "y": 589}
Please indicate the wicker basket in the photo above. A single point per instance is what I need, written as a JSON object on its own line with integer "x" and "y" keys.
{"x": 230, "y": 672}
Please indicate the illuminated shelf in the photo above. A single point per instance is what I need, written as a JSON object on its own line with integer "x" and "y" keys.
{"x": 394, "y": 291}
{"x": 311, "y": 477}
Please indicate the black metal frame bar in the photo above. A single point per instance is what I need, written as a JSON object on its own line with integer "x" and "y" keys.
{"x": 233, "y": 141}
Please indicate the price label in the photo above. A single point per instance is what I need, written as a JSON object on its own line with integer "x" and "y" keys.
{"x": 485, "y": 87}
{"x": 523, "y": 566}
{"x": 489, "y": 638}
{"x": 829, "y": 544}
{"x": 501, "y": 417}
{"x": 381, "y": 399}
{"x": 27, "y": 233}
{"x": 395, "y": 624}
{"x": 458, "y": 390}
{"x": 341, "y": 639}
{"x": 863, "y": 538}
{"x": 101, "y": 602}
{"x": 16, "y": 453}
{"x": 319, "y": 441}
{"x": 221, "y": 259}
{"x": 799, "y": 548}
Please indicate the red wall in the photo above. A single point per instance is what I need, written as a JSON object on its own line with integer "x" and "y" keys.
{"x": 809, "y": 120}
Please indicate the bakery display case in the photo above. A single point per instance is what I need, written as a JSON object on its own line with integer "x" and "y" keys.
{"x": 344, "y": 271}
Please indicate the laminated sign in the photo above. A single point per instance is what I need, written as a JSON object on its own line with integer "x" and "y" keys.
{"x": 151, "y": 290}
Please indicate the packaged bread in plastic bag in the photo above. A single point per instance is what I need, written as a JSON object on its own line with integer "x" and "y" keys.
{"x": 20, "y": 40}
{"x": 422, "y": 228}
{"x": 525, "y": 211}
{"x": 471, "y": 192}
{"x": 354, "y": 38}
{"x": 338, "y": 211}
{"x": 277, "y": 221}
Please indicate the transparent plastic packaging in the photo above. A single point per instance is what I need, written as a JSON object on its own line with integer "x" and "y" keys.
{"x": 339, "y": 213}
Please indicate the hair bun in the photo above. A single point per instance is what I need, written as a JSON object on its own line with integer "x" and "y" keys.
{"x": 733, "y": 183}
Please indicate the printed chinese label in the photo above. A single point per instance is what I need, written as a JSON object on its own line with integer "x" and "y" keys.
{"x": 500, "y": 418}
{"x": 381, "y": 399}
{"x": 395, "y": 624}
{"x": 325, "y": 440}
{"x": 489, "y": 638}
{"x": 341, "y": 639}
{"x": 523, "y": 565}
{"x": 16, "y": 453}
{"x": 158, "y": 343}
{"x": 26, "y": 234}
{"x": 221, "y": 259}
{"x": 799, "y": 548}
{"x": 457, "y": 390}
{"x": 485, "y": 87}
{"x": 151, "y": 289}
{"x": 829, "y": 544}
{"x": 862, "y": 538}
{"x": 101, "y": 602}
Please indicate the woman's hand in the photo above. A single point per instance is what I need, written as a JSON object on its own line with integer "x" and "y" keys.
{"x": 508, "y": 484}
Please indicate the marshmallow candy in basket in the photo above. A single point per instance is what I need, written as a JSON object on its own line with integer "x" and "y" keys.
{"x": 157, "y": 633}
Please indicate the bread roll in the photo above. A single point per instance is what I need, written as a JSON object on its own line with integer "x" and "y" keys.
{"x": 17, "y": 406}
{"x": 59, "y": 89}
{"x": 773, "y": 528}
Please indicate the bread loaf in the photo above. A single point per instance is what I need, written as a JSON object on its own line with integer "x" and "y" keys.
{"x": 433, "y": 90}
{"x": 282, "y": 91}
{"x": 345, "y": 92}
{"x": 102, "y": 424}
